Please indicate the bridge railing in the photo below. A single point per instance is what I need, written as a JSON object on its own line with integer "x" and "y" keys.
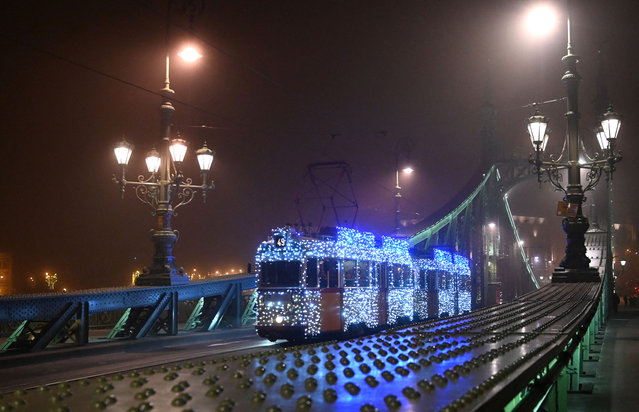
{"x": 514, "y": 356}
{"x": 57, "y": 317}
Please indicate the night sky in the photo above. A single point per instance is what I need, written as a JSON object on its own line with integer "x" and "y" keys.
{"x": 282, "y": 84}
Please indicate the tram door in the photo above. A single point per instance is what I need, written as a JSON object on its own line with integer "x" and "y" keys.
{"x": 330, "y": 295}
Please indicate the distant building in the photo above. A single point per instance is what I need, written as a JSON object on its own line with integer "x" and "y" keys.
{"x": 6, "y": 273}
{"x": 596, "y": 242}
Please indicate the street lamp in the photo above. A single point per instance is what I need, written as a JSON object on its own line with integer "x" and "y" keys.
{"x": 164, "y": 190}
{"x": 402, "y": 163}
{"x": 574, "y": 267}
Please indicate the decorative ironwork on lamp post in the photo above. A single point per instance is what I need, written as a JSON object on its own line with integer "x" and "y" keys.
{"x": 575, "y": 266}
{"x": 164, "y": 190}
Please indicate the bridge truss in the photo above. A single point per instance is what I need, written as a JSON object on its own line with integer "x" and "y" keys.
{"x": 481, "y": 226}
{"x": 39, "y": 320}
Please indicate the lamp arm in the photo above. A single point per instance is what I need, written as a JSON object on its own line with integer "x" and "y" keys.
{"x": 593, "y": 176}
{"x": 185, "y": 195}
{"x": 550, "y": 168}
{"x": 148, "y": 194}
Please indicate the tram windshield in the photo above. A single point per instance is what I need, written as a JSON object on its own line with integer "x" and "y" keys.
{"x": 280, "y": 273}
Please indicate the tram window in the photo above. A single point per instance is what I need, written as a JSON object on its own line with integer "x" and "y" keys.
{"x": 407, "y": 277}
{"x": 376, "y": 274}
{"x": 395, "y": 276}
{"x": 280, "y": 273}
{"x": 349, "y": 274}
{"x": 364, "y": 274}
{"x": 328, "y": 273}
{"x": 311, "y": 272}
{"x": 422, "y": 282}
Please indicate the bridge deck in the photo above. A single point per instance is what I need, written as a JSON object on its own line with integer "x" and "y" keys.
{"x": 482, "y": 359}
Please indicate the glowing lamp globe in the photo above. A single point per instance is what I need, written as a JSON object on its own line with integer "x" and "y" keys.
{"x": 611, "y": 124}
{"x": 153, "y": 161}
{"x": 205, "y": 158}
{"x": 123, "y": 152}
{"x": 190, "y": 54}
{"x": 178, "y": 150}
{"x": 537, "y": 125}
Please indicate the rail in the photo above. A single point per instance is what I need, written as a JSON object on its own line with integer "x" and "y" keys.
{"x": 514, "y": 356}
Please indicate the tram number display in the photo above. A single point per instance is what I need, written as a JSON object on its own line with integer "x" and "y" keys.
{"x": 280, "y": 241}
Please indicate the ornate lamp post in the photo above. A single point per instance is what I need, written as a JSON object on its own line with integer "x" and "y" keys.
{"x": 402, "y": 163}
{"x": 574, "y": 267}
{"x": 164, "y": 190}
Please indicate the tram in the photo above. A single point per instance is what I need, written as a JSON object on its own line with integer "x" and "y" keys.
{"x": 343, "y": 280}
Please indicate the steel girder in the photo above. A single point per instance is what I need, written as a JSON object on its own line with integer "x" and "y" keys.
{"x": 47, "y": 318}
{"x": 17, "y": 308}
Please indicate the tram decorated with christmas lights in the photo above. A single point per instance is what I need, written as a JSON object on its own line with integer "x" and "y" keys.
{"x": 343, "y": 280}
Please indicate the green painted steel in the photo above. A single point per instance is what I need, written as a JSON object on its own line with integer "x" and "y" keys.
{"x": 518, "y": 242}
{"x": 194, "y": 319}
{"x": 249, "y": 317}
{"x": 119, "y": 327}
{"x": 429, "y": 232}
{"x": 13, "y": 338}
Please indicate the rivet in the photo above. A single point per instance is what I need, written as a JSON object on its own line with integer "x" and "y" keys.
{"x": 287, "y": 390}
{"x": 388, "y": 376}
{"x": 292, "y": 374}
{"x": 215, "y": 391}
{"x": 402, "y": 371}
{"x": 330, "y": 395}
{"x": 258, "y": 397}
{"x": 310, "y": 384}
{"x": 211, "y": 380}
{"x": 226, "y": 405}
{"x": 426, "y": 385}
{"x": 171, "y": 376}
{"x": 351, "y": 388}
{"x": 411, "y": 393}
{"x": 304, "y": 402}
{"x": 181, "y": 399}
{"x": 392, "y": 402}
{"x": 270, "y": 379}
{"x": 247, "y": 383}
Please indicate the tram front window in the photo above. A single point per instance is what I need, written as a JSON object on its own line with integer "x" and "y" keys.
{"x": 280, "y": 273}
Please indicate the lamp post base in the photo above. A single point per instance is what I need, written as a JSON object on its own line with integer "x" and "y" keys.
{"x": 561, "y": 275}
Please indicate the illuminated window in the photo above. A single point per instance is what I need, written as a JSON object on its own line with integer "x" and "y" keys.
{"x": 364, "y": 274}
{"x": 328, "y": 273}
{"x": 280, "y": 273}
{"x": 421, "y": 281}
{"x": 348, "y": 273}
